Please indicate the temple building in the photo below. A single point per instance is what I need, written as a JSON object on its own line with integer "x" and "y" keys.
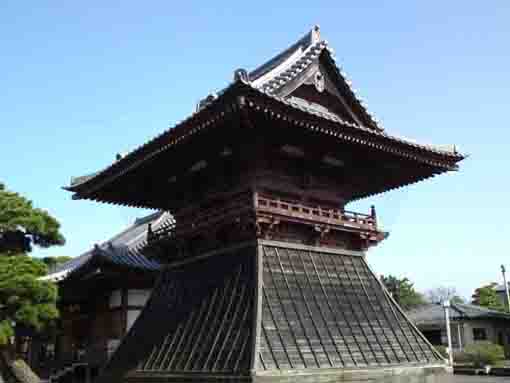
{"x": 265, "y": 277}
{"x": 102, "y": 292}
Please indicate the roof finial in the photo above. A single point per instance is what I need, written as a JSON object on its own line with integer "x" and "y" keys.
{"x": 316, "y": 34}
{"x": 241, "y": 75}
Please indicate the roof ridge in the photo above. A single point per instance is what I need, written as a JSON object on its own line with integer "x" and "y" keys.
{"x": 311, "y": 37}
{"x": 292, "y": 70}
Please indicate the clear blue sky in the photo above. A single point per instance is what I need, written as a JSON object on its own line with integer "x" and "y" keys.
{"x": 81, "y": 81}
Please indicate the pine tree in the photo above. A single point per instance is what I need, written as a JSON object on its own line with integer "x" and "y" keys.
{"x": 25, "y": 300}
{"x": 22, "y": 225}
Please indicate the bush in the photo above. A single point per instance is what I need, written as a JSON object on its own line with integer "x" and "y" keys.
{"x": 484, "y": 353}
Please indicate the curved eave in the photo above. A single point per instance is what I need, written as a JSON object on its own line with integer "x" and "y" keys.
{"x": 347, "y": 131}
{"x": 205, "y": 117}
{"x": 242, "y": 95}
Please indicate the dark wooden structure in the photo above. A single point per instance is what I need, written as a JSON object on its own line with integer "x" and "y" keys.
{"x": 101, "y": 294}
{"x": 266, "y": 278}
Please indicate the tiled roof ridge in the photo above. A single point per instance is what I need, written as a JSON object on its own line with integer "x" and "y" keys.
{"x": 311, "y": 37}
{"x": 311, "y": 52}
{"x": 132, "y": 245}
{"x": 463, "y": 306}
{"x": 293, "y": 69}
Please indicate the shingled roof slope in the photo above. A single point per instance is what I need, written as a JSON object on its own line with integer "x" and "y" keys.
{"x": 122, "y": 249}
{"x": 318, "y": 311}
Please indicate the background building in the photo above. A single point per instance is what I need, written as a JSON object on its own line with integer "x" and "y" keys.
{"x": 102, "y": 292}
{"x": 469, "y": 324}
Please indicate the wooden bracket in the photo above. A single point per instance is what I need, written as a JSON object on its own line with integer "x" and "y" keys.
{"x": 266, "y": 227}
{"x": 319, "y": 233}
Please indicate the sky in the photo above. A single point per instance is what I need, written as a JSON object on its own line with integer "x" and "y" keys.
{"x": 82, "y": 81}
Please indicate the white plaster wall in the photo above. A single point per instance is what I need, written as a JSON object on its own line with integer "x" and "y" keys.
{"x": 138, "y": 297}
{"x": 132, "y": 315}
{"x": 116, "y": 299}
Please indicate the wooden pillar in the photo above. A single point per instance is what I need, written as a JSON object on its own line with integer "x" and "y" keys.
{"x": 459, "y": 335}
{"x": 124, "y": 310}
{"x": 88, "y": 373}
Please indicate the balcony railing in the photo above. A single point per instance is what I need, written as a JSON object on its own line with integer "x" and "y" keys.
{"x": 263, "y": 204}
{"x": 197, "y": 218}
{"x": 330, "y": 216}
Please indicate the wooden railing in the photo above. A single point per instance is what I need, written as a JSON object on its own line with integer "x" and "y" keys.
{"x": 197, "y": 218}
{"x": 266, "y": 205}
{"x": 316, "y": 213}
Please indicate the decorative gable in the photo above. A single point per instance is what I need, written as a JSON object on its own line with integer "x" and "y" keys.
{"x": 309, "y": 63}
{"x": 317, "y": 90}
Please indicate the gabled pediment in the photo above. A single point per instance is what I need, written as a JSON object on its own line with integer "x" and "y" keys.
{"x": 317, "y": 89}
{"x": 308, "y": 64}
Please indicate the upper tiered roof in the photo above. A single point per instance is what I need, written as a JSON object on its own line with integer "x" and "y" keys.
{"x": 275, "y": 90}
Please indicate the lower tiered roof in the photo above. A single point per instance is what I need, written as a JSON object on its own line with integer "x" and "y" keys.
{"x": 124, "y": 249}
{"x": 315, "y": 309}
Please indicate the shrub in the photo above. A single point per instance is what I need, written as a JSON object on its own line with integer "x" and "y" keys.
{"x": 484, "y": 353}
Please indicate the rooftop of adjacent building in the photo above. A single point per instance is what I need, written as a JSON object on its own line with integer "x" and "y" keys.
{"x": 435, "y": 313}
{"x": 122, "y": 249}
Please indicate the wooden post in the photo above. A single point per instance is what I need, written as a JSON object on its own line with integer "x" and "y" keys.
{"x": 503, "y": 271}
{"x": 446, "y": 305}
{"x": 124, "y": 310}
{"x": 459, "y": 332}
{"x": 87, "y": 373}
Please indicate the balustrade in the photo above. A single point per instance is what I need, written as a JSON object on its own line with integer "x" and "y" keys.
{"x": 266, "y": 205}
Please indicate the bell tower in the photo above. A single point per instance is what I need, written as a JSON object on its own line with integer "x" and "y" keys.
{"x": 266, "y": 277}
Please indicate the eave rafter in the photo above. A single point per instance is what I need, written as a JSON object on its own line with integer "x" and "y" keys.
{"x": 243, "y": 96}
{"x": 331, "y": 125}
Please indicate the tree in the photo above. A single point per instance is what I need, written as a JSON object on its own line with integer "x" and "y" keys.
{"x": 403, "y": 291}
{"x": 486, "y": 296}
{"x": 22, "y": 225}
{"x": 25, "y": 300}
{"x": 442, "y": 293}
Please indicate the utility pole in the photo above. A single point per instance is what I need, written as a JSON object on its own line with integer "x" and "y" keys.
{"x": 446, "y": 306}
{"x": 503, "y": 271}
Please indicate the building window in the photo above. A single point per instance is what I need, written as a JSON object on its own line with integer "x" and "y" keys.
{"x": 479, "y": 334}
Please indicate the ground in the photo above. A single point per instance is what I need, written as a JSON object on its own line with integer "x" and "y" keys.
{"x": 478, "y": 379}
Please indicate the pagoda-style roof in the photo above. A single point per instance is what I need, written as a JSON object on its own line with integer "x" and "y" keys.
{"x": 274, "y": 91}
{"x": 124, "y": 249}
